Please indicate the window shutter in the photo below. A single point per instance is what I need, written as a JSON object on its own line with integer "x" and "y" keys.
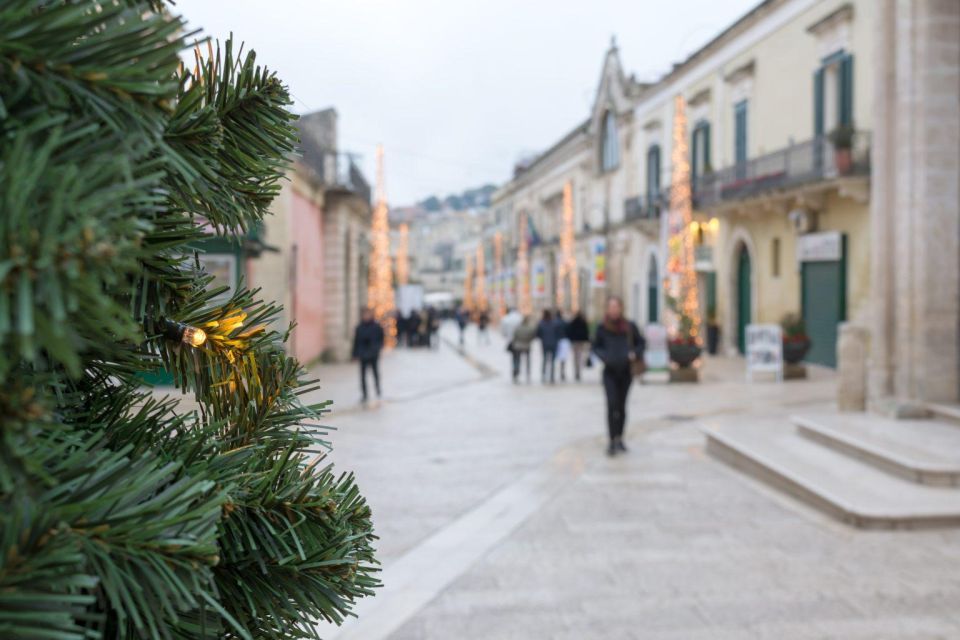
{"x": 846, "y": 90}
{"x": 818, "y": 102}
{"x": 706, "y": 147}
{"x": 694, "y": 156}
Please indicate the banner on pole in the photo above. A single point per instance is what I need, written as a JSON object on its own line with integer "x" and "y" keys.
{"x": 539, "y": 278}
{"x": 599, "y": 253}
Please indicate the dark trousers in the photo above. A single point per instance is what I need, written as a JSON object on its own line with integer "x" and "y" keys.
{"x": 517, "y": 354}
{"x": 371, "y": 364}
{"x": 616, "y": 384}
{"x": 549, "y": 360}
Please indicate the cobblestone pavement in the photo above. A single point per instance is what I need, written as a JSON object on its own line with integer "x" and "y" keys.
{"x": 500, "y": 517}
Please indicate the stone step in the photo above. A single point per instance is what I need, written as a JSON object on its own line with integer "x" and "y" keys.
{"x": 837, "y": 484}
{"x": 924, "y": 451}
{"x": 947, "y": 412}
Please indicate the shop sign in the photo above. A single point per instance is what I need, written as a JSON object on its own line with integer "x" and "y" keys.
{"x": 826, "y": 246}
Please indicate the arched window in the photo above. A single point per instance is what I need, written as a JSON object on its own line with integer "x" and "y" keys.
{"x": 609, "y": 143}
{"x": 653, "y": 179}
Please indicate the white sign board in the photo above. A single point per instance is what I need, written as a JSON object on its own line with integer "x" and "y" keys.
{"x": 656, "y": 355}
{"x": 826, "y": 246}
{"x": 764, "y": 350}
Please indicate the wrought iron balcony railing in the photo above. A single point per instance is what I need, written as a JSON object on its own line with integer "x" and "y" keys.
{"x": 807, "y": 162}
{"x": 643, "y": 207}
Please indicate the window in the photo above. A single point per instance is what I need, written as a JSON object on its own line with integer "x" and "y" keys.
{"x": 775, "y": 254}
{"x": 609, "y": 144}
{"x": 833, "y": 93}
{"x": 740, "y": 138}
{"x": 700, "y": 152}
{"x": 653, "y": 176}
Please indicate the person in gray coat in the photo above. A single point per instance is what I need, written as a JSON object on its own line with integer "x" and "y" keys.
{"x": 520, "y": 344}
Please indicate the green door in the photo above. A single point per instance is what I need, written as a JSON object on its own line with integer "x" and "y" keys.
{"x": 824, "y": 308}
{"x": 653, "y": 284}
{"x": 743, "y": 298}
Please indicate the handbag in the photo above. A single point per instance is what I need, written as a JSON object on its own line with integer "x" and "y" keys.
{"x": 637, "y": 366}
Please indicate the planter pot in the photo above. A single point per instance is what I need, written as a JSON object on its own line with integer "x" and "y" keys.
{"x": 684, "y": 354}
{"x": 843, "y": 158}
{"x": 794, "y": 351}
{"x": 713, "y": 339}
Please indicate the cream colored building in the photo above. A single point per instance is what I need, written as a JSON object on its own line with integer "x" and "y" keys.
{"x": 782, "y": 222}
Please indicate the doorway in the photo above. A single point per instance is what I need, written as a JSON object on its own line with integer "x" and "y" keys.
{"x": 653, "y": 288}
{"x": 744, "y": 303}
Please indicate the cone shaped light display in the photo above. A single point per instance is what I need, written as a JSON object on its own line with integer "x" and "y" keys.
{"x": 567, "y": 273}
{"x": 683, "y": 317}
{"x": 523, "y": 269}
{"x": 403, "y": 257}
{"x": 481, "y": 280}
{"x": 380, "y": 296}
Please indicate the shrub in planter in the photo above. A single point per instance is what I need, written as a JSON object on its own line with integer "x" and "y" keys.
{"x": 842, "y": 140}
{"x": 684, "y": 351}
{"x": 796, "y": 342}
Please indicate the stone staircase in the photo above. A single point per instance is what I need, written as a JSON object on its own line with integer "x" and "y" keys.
{"x": 863, "y": 469}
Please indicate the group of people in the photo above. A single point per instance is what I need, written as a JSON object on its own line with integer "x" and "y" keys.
{"x": 617, "y": 343}
{"x": 418, "y": 328}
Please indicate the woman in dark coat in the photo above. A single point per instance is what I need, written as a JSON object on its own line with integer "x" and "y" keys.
{"x": 578, "y": 333}
{"x": 618, "y": 343}
{"x": 549, "y": 339}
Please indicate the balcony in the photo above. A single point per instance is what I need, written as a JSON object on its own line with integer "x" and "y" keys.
{"x": 794, "y": 166}
{"x": 335, "y": 170}
{"x": 643, "y": 207}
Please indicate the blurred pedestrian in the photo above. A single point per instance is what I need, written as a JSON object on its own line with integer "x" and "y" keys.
{"x": 549, "y": 339}
{"x": 483, "y": 321}
{"x": 413, "y": 329}
{"x": 367, "y": 344}
{"x": 564, "y": 350}
{"x": 520, "y": 343}
{"x": 462, "y": 319}
{"x": 433, "y": 325}
{"x": 578, "y": 333}
{"x": 618, "y": 344}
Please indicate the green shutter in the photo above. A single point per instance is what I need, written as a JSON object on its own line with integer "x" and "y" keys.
{"x": 740, "y": 136}
{"x": 695, "y": 157}
{"x": 706, "y": 147}
{"x": 818, "y": 102}
{"x": 846, "y": 90}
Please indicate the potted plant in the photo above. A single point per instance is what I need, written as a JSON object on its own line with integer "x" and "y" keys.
{"x": 684, "y": 347}
{"x": 796, "y": 342}
{"x": 842, "y": 140}
{"x": 713, "y": 330}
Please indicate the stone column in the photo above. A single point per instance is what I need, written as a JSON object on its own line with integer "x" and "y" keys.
{"x": 915, "y": 206}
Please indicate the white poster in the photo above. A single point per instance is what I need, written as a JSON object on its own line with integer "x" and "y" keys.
{"x": 764, "y": 350}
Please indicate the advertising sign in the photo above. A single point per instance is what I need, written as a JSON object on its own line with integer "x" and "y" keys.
{"x": 599, "y": 254}
{"x": 539, "y": 279}
{"x": 764, "y": 350}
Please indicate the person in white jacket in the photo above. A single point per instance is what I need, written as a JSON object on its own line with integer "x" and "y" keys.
{"x": 509, "y": 324}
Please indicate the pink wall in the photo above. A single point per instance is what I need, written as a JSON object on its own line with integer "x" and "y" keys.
{"x": 306, "y": 234}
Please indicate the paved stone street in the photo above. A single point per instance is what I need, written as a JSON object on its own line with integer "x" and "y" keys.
{"x": 500, "y": 517}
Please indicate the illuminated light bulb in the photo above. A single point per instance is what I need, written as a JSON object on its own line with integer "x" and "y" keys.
{"x": 193, "y": 336}
{"x": 714, "y": 224}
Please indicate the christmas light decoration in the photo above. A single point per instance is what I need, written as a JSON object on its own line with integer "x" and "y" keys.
{"x": 683, "y": 317}
{"x": 380, "y": 295}
{"x": 468, "y": 284}
{"x": 403, "y": 259}
{"x": 567, "y": 272}
{"x": 481, "y": 280}
{"x": 523, "y": 269}
{"x": 193, "y": 336}
{"x": 500, "y": 300}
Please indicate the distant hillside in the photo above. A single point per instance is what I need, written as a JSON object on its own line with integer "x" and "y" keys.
{"x": 469, "y": 199}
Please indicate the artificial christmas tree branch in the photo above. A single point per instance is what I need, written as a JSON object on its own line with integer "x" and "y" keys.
{"x": 123, "y": 515}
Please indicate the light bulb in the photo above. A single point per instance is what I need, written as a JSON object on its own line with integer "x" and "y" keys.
{"x": 193, "y": 336}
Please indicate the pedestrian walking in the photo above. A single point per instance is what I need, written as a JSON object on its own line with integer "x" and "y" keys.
{"x": 367, "y": 344}
{"x": 483, "y": 322}
{"x": 618, "y": 344}
{"x": 433, "y": 326}
{"x": 549, "y": 339}
{"x": 578, "y": 333}
{"x": 462, "y": 318}
{"x": 564, "y": 349}
{"x": 523, "y": 337}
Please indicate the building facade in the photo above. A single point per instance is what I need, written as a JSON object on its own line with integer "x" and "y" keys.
{"x": 318, "y": 239}
{"x": 778, "y": 118}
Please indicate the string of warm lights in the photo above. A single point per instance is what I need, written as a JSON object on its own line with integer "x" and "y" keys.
{"x": 481, "y": 280}
{"x": 468, "y": 284}
{"x": 380, "y": 295}
{"x": 500, "y": 300}
{"x": 523, "y": 269}
{"x": 682, "y": 276}
{"x": 567, "y": 272}
{"x": 403, "y": 256}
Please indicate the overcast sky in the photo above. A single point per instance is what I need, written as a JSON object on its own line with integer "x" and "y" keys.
{"x": 457, "y": 90}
